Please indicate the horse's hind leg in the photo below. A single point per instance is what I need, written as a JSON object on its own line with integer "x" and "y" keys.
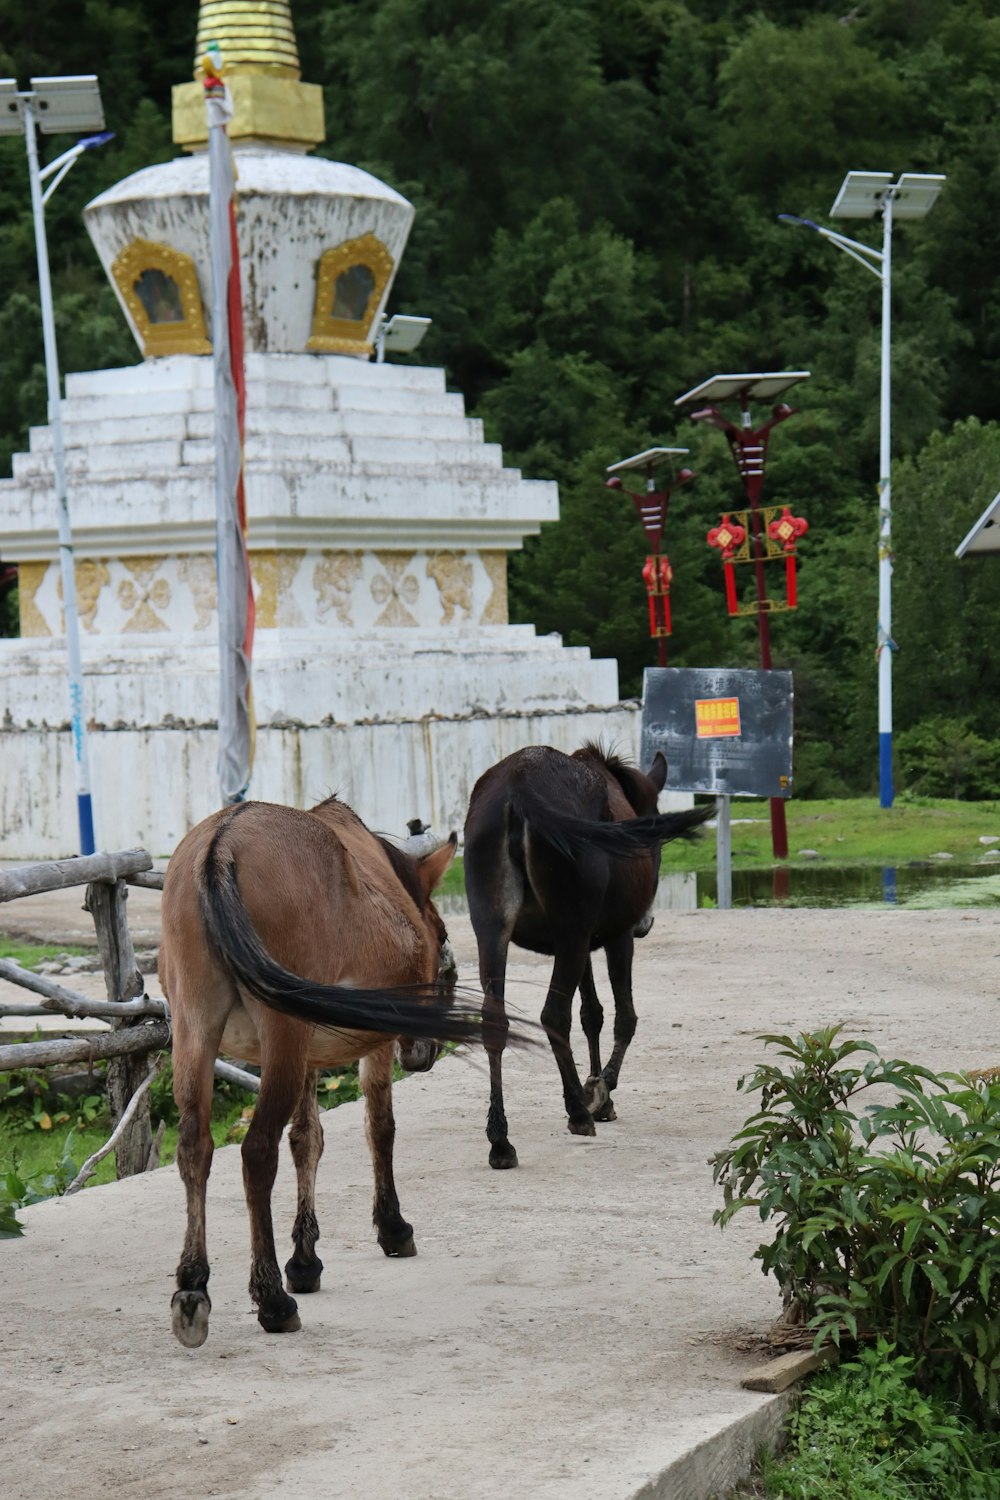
{"x": 567, "y": 974}
{"x": 592, "y": 1020}
{"x": 619, "y": 956}
{"x": 493, "y": 944}
{"x": 282, "y": 1077}
{"x": 193, "y": 1062}
{"x": 394, "y": 1234}
{"x": 303, "y": 1271}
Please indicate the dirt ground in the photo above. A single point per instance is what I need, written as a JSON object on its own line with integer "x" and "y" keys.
{"x": 577, "y": 1326}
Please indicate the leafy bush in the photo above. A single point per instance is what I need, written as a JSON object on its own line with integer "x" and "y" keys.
{"x": 942, "y": 757}
{"x": 866, "y": 1432}
{"x": 17, "y": 1191}
{"x": 885, "y": 1220}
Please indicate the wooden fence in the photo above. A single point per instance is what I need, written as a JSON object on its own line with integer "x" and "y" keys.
{"x": 139, "y": 1023}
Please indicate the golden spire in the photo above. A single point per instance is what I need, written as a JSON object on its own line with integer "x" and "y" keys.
{"x": 255, "y": 36}
{"x": 261, "y": 66}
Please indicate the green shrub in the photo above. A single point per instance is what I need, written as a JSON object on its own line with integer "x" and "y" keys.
{"x": 885, "y": 1220}
{"x": 942, "y": 757}
{"x": 866, "y": 1432}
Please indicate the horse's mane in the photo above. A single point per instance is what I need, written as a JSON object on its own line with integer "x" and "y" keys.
{"x": 628, "y": 776}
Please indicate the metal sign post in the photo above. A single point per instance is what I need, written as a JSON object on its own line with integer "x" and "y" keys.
{"x": 723, "y": 732}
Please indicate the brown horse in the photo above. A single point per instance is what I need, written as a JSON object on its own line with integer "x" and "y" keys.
{"x": 562, "y": 856}
{"x": 296, "y": 940}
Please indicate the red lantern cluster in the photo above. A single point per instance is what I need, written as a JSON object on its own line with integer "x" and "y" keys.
{"x": 786, "y": 531}
{"x": 657, "y": 575}
{"x": 729, "y": 537}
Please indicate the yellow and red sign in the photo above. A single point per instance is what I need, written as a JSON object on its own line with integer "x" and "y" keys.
{"x": 716, "y": 718}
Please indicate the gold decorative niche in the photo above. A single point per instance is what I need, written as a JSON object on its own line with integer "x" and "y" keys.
{"x": 160, "y": 289}
{"x": 350, "y": 281}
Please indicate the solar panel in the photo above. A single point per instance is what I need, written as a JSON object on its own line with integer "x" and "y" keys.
{"x": 915, "y": 194}
{"x": 403, "y": 333}
{"x": 860, "y": 195}
{"x": 10, "y": 108}
{"x": 650, "y": 456}
{"x": 68, "y": 104}
{"x": 985, "y": 535}
{"x": 759, "y": 387}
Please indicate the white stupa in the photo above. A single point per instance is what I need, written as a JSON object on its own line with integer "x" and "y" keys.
{"x": 379, "y": 520}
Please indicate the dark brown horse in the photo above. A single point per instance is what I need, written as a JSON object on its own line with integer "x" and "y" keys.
{"x": 562, "y": 856}
{"x": 296, "y": 940}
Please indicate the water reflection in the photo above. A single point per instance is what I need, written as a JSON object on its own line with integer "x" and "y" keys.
{"x": 916, "y": 885}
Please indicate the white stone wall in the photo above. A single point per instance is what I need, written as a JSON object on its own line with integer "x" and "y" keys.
{"x": 151, "y": 785}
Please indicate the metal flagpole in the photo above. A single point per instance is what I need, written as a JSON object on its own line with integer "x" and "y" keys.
{"x": 81, "y": 758}
{"x": 235, "y": 597}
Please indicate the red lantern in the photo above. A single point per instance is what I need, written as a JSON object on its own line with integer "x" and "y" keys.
{"x": 728, "y": 536}
{"x": 786, "y": 531}
{"x": 657, "y": 575}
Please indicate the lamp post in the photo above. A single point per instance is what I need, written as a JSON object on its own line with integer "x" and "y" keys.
{"x": 864, "y": 195}
{"x": 54, "y": 106}
{"x": 748, "y": 445}
{"x": 651, "y": 508}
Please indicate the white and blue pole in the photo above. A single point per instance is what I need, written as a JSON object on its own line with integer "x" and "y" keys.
{"x": 81, "y": 759}
{"x": 886, "y": 644}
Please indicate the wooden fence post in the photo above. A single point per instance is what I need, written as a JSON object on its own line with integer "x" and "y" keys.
{"x": 106, "y": 903}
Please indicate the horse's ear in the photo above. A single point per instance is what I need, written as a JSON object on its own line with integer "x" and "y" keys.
{"x": 433, "y": 866}
{"x": 657, "y": 772}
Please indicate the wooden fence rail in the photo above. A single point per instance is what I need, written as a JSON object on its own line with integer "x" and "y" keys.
{"x": 139, "y": 1023}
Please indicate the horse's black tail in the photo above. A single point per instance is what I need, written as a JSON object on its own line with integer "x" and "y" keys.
{"x": 571, "y": 836}
{"x": 418, "y": 1011}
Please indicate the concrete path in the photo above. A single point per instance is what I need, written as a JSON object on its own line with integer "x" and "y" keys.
{"x": 576, "y": 1327}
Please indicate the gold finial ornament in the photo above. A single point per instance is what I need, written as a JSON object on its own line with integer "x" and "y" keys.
{"x": 253, "y": 36}
{"x": 261, "y": 64}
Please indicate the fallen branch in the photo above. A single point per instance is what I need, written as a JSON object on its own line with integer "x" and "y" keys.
{"x": 90, "y": 1165}
{"x": 233, "y": 1074}
{"x": 56, "y": 875}
{"x": 91, "y": 1048}
{"x": 71, "y": 1002}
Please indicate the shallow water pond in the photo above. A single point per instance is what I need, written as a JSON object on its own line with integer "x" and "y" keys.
{"x": 924, "y": 884}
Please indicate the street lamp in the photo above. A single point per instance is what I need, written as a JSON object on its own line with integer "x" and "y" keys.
{"x": 864, "y": 195}
{"x": 748, "y": 445}
{"x": 54, "y": 106}
{"x": 651, "y": 508}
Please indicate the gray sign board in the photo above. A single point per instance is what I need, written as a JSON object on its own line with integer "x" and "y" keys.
{"x": 725, "y": 732}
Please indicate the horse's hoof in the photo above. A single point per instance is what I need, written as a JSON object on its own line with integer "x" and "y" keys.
{"x": 607, "y": 1113}
{"x": 596, "y": 1095}
{"x": 280, "y": 1321}
{"x": 503, "y": 1156}
{"x": 581, "y": 1127}
{"x": 401, "y": 1251}
{"x": 189, "y": 1312}
{"x": 303, "y": 1279}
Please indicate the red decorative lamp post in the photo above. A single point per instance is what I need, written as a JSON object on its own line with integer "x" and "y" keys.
{"x": 651, "y": 508}
{"x": 759, "y": 533}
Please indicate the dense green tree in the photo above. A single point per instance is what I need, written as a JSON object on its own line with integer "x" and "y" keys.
{"x": 597, "y": 184}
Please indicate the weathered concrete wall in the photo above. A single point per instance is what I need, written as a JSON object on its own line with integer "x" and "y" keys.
{"x": 152, "y": 784}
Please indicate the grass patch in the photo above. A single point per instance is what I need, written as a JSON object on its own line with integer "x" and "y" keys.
{"x": 30, "y": 955}
{"x": 849, "y": 831}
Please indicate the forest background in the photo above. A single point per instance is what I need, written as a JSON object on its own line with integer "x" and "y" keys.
{"x": 597, "y": 184}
